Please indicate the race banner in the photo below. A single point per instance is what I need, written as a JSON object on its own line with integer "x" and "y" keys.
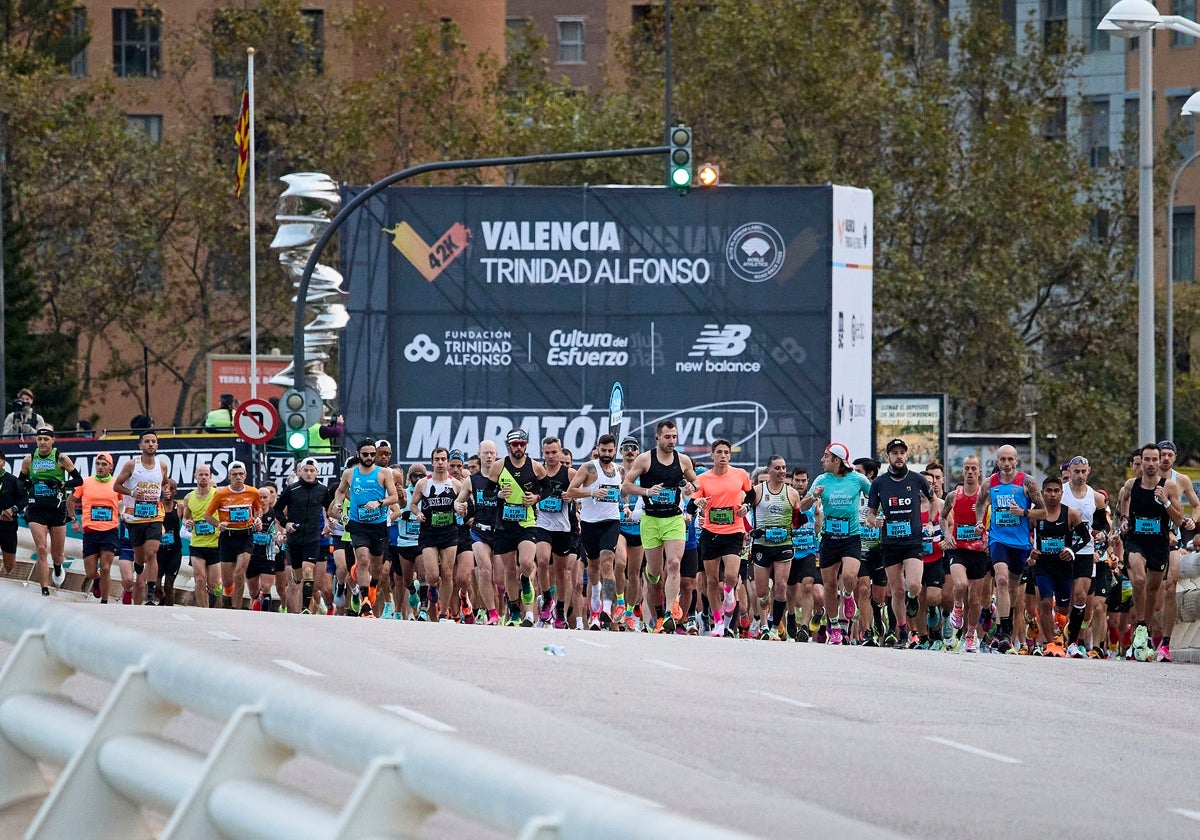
{"x": 739, "y": 313}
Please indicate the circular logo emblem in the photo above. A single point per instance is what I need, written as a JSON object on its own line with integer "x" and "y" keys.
{"x": 422, "y": 348}
{"x": 755, "y": 252}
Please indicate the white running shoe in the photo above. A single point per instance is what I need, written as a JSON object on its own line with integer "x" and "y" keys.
{"x": 59, "y": 576}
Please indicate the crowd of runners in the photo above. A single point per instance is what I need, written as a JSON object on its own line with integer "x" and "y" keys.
{"x": 862, "y": 553}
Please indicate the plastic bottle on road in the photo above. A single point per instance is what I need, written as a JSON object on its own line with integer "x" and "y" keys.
{"x": 555, "y": 650}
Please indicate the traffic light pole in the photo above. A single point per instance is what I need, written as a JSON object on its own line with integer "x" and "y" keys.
{"x": 404, "y": 174}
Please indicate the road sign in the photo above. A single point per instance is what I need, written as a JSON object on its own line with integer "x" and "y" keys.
{"x": 256, "y": 421}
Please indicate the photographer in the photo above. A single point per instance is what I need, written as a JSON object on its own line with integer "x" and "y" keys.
{"x": 22, "y": 419}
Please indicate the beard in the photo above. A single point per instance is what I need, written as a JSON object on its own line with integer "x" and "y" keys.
{"x": 605, "y": 459}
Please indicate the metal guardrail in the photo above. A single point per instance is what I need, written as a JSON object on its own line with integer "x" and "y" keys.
{"x": 118, "y": 762}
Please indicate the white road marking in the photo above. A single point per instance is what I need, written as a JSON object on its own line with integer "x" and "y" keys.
{"x": 660, "y": 663}
{"x": 181, "y": 616}
{"x": 799, "y": 703}
{"x": 649, "y": 803}
{"x": 297, "y": 667}
{"x": 590, "y": 643}
{"x": 1184, "y": 812}
{"x": 967, "y": 748}
{"x": 221, "y": 634}
{"x": 419, "y": 719}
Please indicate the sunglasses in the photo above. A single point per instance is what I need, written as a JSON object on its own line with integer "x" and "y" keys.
{"x": 1079, "y": 461}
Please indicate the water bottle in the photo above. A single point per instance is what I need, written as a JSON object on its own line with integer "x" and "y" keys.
{"x": 555, "y": 650}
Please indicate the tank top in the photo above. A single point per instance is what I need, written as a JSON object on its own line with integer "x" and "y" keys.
{"x": 145, "y": 505}
{"x": 965, "y": 520}
{"x": 407, "y": 527}
{"x": 552, "y": 510}
{"x": 773, "y": 515}
{"x": 485, "y": 509}
{"x": 608, "y": 509}
{"x": 1007, "y": 528}
{"x": 513, "y": 512}
{"x": 670, "y": 476}
{"x": 1148, "y": 520}
{"x": 438, "y": 506}
{"x": 931, "y": 536}
{"x": 804, "y": 531}
{"x": 204, "y": 535}
{"x": 365, "y": 488}
{"x": 170, "y": 545}
{"x": 100, "y": 504}
{"x": 1087, "y": 511}
{"x": 49, "y": 480}
{"x": 1053, "y": 535}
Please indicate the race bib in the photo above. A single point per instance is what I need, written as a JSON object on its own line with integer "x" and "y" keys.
{"x": 775, "y": 534}
{"x": 102, "y": 514}
{"x": 513, "y": 513}
{"x": 262, "y": 538}
{"x": 168, "y": 538}
{"x": 42, "y": 489}
{"x": 899, "y": 529}
{"x": 1004, "y": 519}
{"x": 927, "y": 547}
{"x": 965, "y": 533}
{"x": 412, "y": 528}
{"x": 1053, "y": 546}
{"x": 203, "y": 528}
{"x": 802, "y": 541}
{"x": 239, "y": 514}
{"x": 550, "y": 504}
{"x": 612, "y": 494}
{"x": 441, "y": 519}
{"x": 667, "y": 496}
{"x": 837, "y": 527}
{"x": 720, "y": 516}
{"x": 146, "y": 510}
{"x": 366, "y": 514}
{"x": 1146, "y": 525}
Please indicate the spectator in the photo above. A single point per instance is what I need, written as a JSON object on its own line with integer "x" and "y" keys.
{"x": 141, "y": 421}
{"x": 22, "y": 419}
{"x": 84, "y": 429}
{"x": 220, "y": 419}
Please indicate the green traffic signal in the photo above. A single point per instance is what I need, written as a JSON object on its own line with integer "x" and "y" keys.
{"x": 297, "y": 441}
{"x": 679, "y": 168}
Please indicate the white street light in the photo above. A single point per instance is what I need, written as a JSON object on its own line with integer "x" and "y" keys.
{"x": 1169, "y": 330}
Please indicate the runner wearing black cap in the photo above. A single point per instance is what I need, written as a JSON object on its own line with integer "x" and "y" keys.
{"x": 517, "y": 482}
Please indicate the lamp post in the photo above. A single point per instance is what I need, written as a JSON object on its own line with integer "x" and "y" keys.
{"x": 1169, "y": 404}
{"x": 1131, "y": 19}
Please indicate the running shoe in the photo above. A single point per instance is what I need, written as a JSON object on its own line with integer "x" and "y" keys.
{"x": 422, "y": 615}
{"x": 96, "y": 589}
{"x": 669, "y": 624}
{"x": 526, "y": 590}
{"x": 849, "y": 607}
{"x": 691, "y": 627}
{"x": 1033, "y": 628}
{"x": 801, "y": 635}
{"x": 718, "y": 630}
{"x": 59, "y": 577}
{"x": 493, "y": 618}
{"x": 126, "y": 597}
{"x": 1096, "y": 653}
{"x": 971, "y": 643}
{"x": 388, "y": 610}
{"x": 822, "y": 635}
{"x": 305, "y": 611}
{"x": 256, "y": 604}
{"x": 1141, "y": 643}
{"x": 1001, "y": 644}
{"x": 547, "y": 613}
{"x": 1164, "y": 653}
{"x": 1075, "y": 651}
{"x": 728, "y": 602}
{"x": 356, "y": 600}
{"x": 936, "y": 644}
{"x": 465, "y": 609}
{"x": 527, "y": 621}
{"x": 773, "y": 635}
{"x": 339, "y": 595}
{"x": 793, "y": 630}
{"x": 869, "y": 640}
{"x": 631, "y": 622}
{"x": 367, "y": 611}
{"x": 594, "y": 622}
{"x": 911, "y": 605}
{"x": 744, "y": 621}
{"x": 414, "y": 599}
{"x": 618, "y": 612}
{"x": 835, "y": 635}
{"x": 986, "y": 620}
{"x": 676, "y": 611}
{"x": 814, "y": 623}
{"x": 755, "y": 628}
{"x": 956, "y": 617}
{"x": 658, "y": 626}
{"x": 560, "y": 624}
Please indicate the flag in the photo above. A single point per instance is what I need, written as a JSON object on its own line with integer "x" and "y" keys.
{"x": 241, "y": 136}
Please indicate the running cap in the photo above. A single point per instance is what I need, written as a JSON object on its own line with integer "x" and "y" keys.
{"x": 307, "y": 462}
{"x": 840, "y": 450}
{"x": 456, "y": 455}
{"x": 630, "y": 440}
{"x": 233, "y": 465}
{"x": 517, "y": 436}
{"x": 1167, "y": 444}
{"x": 104, "y": 456}
{"x": 895, "y": 443}
{"x": 382, "y": 444}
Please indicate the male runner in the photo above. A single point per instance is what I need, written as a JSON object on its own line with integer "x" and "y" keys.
{"x": 517, "y": 482}
{"x": 369, "y": 491}
{"x": 1061, "y": 573}
{"x": 99, "y": 507}
{"x": 555, "y": 542}
{"x": 776, "y": 505}
{"x": 202, "y": 549}
{"x": 141, "y": 480}
{"x": 597, "y": 484}
{"x": 299, "y": 513}
{"x": 724, "y": 495}
{"x": 49, "y": 477}
{"x": 432, "y": 505}
{"x": 235, "y": 511}
{"x": 964, "y": 534}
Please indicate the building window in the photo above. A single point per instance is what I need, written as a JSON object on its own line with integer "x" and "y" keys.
{"x": 1183, "y": 256}
{"x": 1054, "y": 25}
{"x": 314, "y": 49}
{"x": 1093, "y": 13}
{"x": 1096, "y": 122}
{"x": 1056, "y": 123}
{"x": 516, "y": 36}
{"x": 1008, "y": 11}
{"x": 1181, "y": 127}
{"x": 1187, "y": 9}
{"x": 570, "y": 40}
{"x": 137, "y": 42}
{"x": 149, "y": 124}
{"x": 79, "y": 29}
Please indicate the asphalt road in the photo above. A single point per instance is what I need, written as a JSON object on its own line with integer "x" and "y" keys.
{"x": 772, "y": 739}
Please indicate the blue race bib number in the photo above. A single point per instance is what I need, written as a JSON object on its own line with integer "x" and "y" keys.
{"x": 239, "y": 514}
{"x": 262, "y": 538}
{"x": 203, "y": 528}
{"x": 102, "y": 514}
{"x": 1146, "y": 525}
{"x": 804, "y": 542}
{"x": 965, "y": 533}
{"x": 1053, "y": 546}
{"x": 899, "y": 529}
{"x": 550, "y": 504}
{"x": 145, "y": 510}
{"x": 837, "y": 527}
{"x": 1005, "y": 519}
{"x": 666, "y": 496}
{"x": 412, "y": 528}
{"x": 513, "y": 513}
{"x": 41, "y": 488}
{"x": 366, "y": 514}
{"x": 168, "y": 538}
{"x": 927, "y": 547}
{"x": 612, "y": 494}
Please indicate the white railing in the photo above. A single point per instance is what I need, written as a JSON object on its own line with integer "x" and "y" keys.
{"x": 117, "y": 761}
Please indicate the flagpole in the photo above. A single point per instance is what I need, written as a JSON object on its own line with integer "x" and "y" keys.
{"x": 253, "y": 273}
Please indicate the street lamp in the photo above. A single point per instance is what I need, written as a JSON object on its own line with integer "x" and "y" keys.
{"x": 1169, "y": 407}
{"x": 1133, "y": 18}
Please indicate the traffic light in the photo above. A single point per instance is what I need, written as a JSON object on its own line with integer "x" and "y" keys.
{"x": 679, "y": 163}
{"x": 709, "y": 175}
{"x": 299, "y": 409}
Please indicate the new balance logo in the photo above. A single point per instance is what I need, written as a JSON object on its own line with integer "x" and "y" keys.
{"x": 719, "y": 343}
{"x": 729, "y": 340}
